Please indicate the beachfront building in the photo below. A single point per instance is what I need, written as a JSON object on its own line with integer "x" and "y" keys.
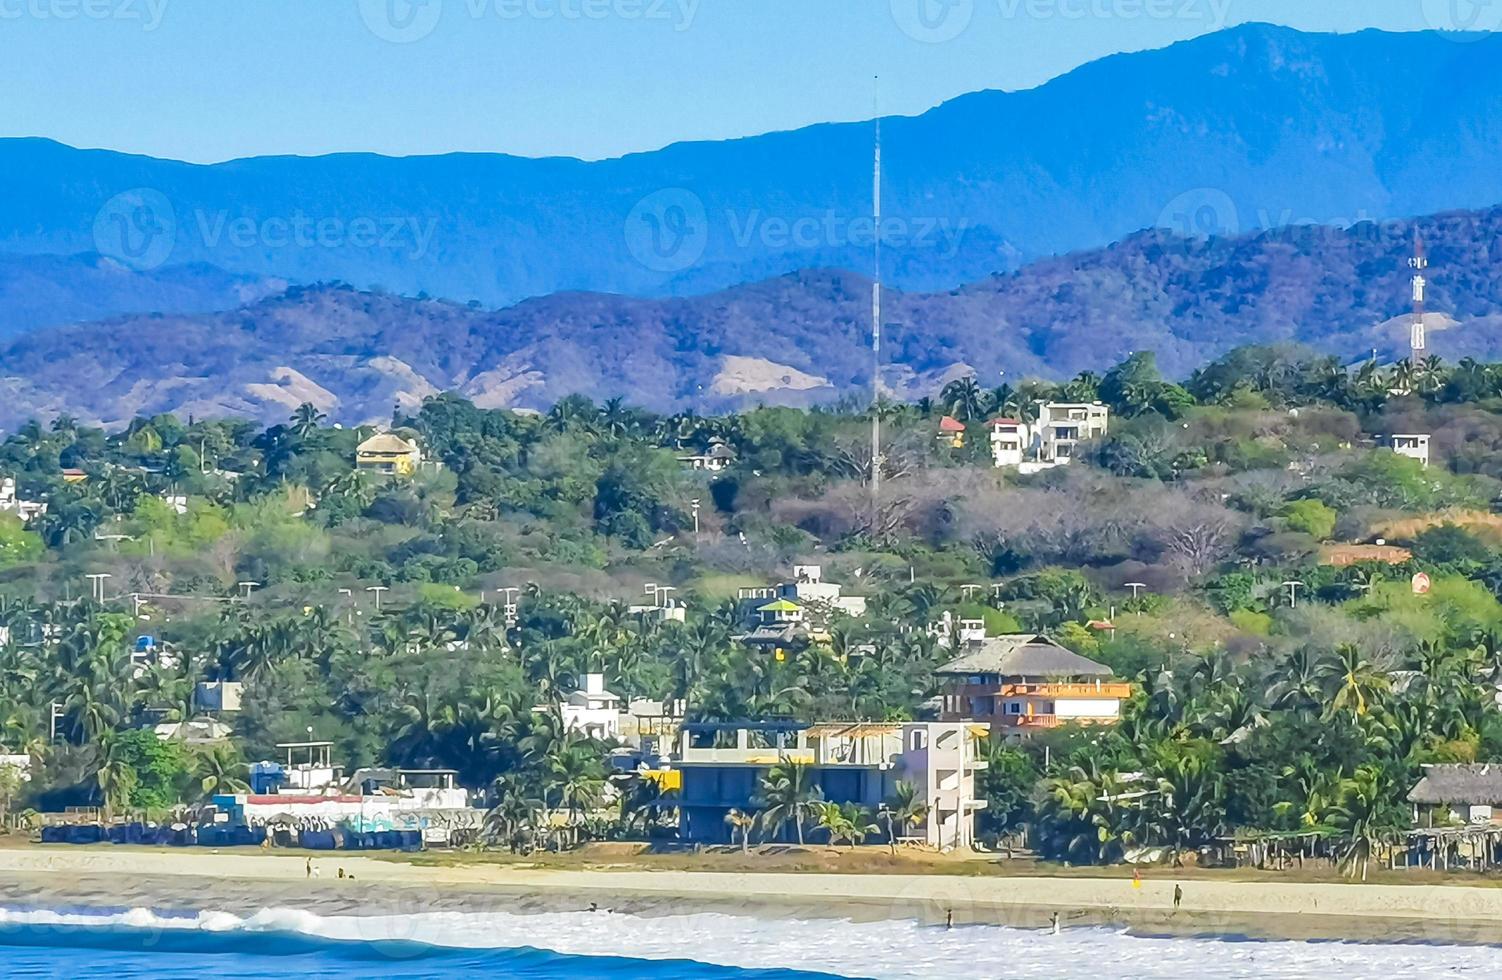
{"x": 374, "y": 800}
{"x": 723, "y": 766}
{"x": 1010, "y": 440}
{"x": 1458, "y": 794}
{"x": 591, "y": 710}
{"x": 1023, "y": 683}
{"x": 388, "y": 454}
{"x": 1412, "y": 445}
{"x": 1062, "y": 426}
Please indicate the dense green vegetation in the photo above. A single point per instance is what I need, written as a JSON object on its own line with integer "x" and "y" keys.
{"x": 1261, "y": 705}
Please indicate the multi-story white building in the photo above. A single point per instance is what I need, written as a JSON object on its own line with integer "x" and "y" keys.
{"x": 1010, "y": 441}
{"x": 853, "y": 762}
{"x": 1062, "y": 426}
{"x": 592, "y": 710}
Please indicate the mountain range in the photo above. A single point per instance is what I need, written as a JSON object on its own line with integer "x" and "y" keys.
{"x": 1247, "y": 129}
{"x": 799, "y": 338}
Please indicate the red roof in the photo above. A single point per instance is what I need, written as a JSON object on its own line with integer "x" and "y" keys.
{"x": 1004, "y": 422}
{"x": 950, "y": 424}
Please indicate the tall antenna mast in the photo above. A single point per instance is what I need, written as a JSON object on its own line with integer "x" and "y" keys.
{"x": 1418, "y": 263}
{"x": 876, "y": 315}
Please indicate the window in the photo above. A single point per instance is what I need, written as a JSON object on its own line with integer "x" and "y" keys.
{"x": 1014, "y": 707}
{"x": 920, "y": 738}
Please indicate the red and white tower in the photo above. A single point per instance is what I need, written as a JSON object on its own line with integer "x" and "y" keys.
{"x": 1419, "y": 263}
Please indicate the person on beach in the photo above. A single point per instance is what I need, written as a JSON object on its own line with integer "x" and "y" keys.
{"x": 1178, "y": 896}
{"x": 949, "y": 919}
{"x": 310, "y": 868}
{"x": 1055, "y": 921}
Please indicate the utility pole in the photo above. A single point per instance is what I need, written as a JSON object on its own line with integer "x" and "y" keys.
{"x": 876, "y": 316}
{"x": 246, "y": 588}
{"x": 96, "y": 585}
{"x": 1293, "y": 593}
{"x": 1136, "y": 588}
{"x": 377, "y": 590}
{"x": 694, "y": 506}
{"x": 509, "y": 595}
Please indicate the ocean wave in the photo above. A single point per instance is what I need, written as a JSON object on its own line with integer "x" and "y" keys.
{"x": 684, "y": 945}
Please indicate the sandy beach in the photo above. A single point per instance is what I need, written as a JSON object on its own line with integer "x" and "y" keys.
{"x": 243, "y": 882}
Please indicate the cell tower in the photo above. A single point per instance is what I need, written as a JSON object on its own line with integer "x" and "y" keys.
{"x": 1419, "y": 263}
{"x": 876, "y": 320}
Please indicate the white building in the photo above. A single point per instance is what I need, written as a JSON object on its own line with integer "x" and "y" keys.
{"x": 1411, "y": 445}
{"x": 718, "y": 458}
{"x": 592, "y": 710}
{"x": 218, "y": 695}
{"x": 809, "y": 588}
{"x": 1010, "y": 440}
{"x": 26, "y": 510}
{"x": 1062, "y": 426}
{"x": 852, "y": 762}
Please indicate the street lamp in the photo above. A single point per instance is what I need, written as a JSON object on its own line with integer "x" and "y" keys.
{"x": 1136, "y": 588}
{"x": 1293, "y": 587}
{"x": 96, "y": 584}
{"x": 694, "y": 505}
{"x": 377, "y": 590}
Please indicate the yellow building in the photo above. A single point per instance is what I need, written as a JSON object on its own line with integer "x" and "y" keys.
{"x": 388, "y": 453}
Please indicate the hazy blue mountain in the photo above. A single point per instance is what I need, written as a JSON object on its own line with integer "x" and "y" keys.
{"x": 1249, "y": 128}
{"x": 793, "y": 339}
{"x": 50, "y": 290}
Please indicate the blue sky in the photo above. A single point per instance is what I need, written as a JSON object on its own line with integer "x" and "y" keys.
{"x": 208, "y": 80}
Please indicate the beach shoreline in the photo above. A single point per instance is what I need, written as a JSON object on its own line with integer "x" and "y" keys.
{"x": 242, "y": 883}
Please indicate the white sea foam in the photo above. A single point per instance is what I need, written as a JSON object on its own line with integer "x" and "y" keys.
{"x": 897, "y": 950}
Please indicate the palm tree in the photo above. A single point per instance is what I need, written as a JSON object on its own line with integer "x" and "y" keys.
{"x": 306, "y": 419}
{"x": 1366, "y": 815}
{"x": 964, "y": 399}
{"x": 901, "y": 810}
{"x": 741, "y": 823}
{"x": 788, "y": 793}
{"x": 220, "y": 770}
{"x": 1354, "y": 683}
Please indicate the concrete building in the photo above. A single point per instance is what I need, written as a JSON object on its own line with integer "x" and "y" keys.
{"x": 723, "y": 767}
{"x": 389, "y": 454}
{"x": 218, "y": 695}
{"x": 1025, "y": 682}
{"x": 716, "y": 459}
{"x": 1010, "y": 441}
{"x": 1062, "y": 426}
{"x": 592, "y": 710}
{"x": 1411, "y": 445}
{"x": 809, "y": 588}
{"x": 370, "y": 801}
{"x": 10, "y": 503}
